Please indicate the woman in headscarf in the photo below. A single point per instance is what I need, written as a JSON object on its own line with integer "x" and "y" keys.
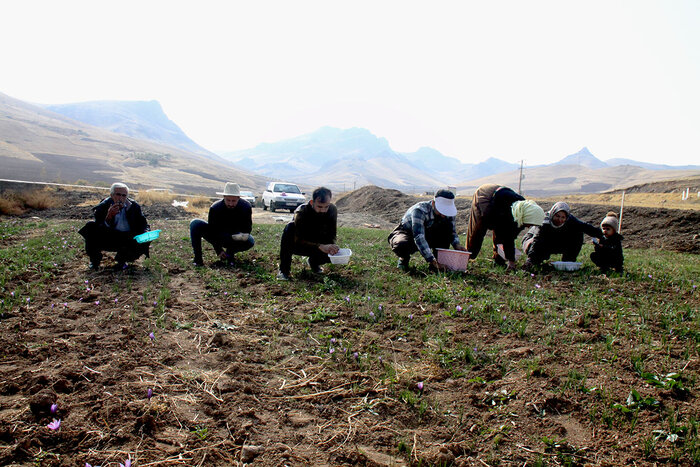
{"x": 506, "y": 213}
{"x": 560, "y": 233}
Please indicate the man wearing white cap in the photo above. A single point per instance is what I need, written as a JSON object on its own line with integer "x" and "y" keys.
{"x": 228, "y": 229}
{"x": 425, "y": 226}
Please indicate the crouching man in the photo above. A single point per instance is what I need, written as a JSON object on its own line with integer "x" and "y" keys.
{"x": 312, "y": 233}
{"x": 118, "y": 220}
{"x": 427, "y": 225}
{"x": 228, "y": 229}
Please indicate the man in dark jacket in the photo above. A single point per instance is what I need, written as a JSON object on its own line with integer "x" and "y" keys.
{"x": 312, "y": 233}
{"x": 118, "y": 220}
{"x": 506, "y": 213}
{"x": 228, "y": 229}
{"x": 560, "y": 233}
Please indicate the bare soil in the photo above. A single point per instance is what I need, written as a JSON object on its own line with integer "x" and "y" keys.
{"x": 83, "y": 343}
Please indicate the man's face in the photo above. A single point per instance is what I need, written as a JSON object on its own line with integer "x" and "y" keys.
{"x": 231, "y": 201}
{"x": 559, "y": 218}
{"x": 119, "y": 195}
{"x": 320, "y": 206}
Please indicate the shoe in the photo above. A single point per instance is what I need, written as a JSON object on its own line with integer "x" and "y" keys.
{"x": 498, "y": 260}
{"x": 120, "y": 266}
{"x": 315, "y": 268}
{"x": 94, "y": 266}
{"x": 282, "y": 276}
{"x": 198, "y": 262}
{"x": 403, "y": 264}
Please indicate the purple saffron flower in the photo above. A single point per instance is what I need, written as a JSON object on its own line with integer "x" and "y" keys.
{"x": 420, "y": 385}
{"x": 331, "y": 350}
{"x": 54, "y": 409}
{"x": 380, "y": 307}
{"x": 458, "y": 308}
{"x": 52, "y": 305}
{"x": 371, "y": 314}
{"x": 55, "y": 425}
{"x": 225, "y": 293}
{"x": 12, "y": 294}
{"x": 155, "y": 303}
{"x": 149, "y": 393}
{"x": 65, "y": 304}
{"x": 28, "y": 299}
{"x": 347, "y": 298}
{"x": 116, "y": 300}
{"x": 381, "y": 360}
{"x": 355, "y": 355}
{"x": 333, "y": 340}
{"x": 87, "y": 281}
{"x": 152, "y": 336}
{"x": 532, "y": 274}
{"x": 97, "y": 302}
{"x": 410, "y": 316}
{"x": 127, "y": 463}
{"x": 649, "y": 276}
{"x": 538, "y": 286}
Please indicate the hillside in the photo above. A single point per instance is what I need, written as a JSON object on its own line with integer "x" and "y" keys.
{"x": 39, "y": 145}
{"x": 556, "y": 179}
{"x": 137, "y": 119}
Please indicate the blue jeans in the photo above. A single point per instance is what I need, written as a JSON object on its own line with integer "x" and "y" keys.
{"x": 220, "y": 240}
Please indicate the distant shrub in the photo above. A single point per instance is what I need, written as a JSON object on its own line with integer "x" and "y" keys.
{"x": 200, "y": 201}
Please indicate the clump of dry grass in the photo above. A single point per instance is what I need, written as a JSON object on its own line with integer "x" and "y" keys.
{"x": 16, "y": 203}
{"x": 149, "y": 198}
{"x": 198, "y": 204}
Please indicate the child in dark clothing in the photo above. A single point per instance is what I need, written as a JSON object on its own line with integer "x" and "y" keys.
{"x": 608, "y": 251}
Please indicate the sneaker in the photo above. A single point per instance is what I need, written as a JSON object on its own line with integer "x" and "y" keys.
{"x": 120, "y": 266}
{"x": 94, "y": 266}
{"x": 403, "y": 264}
{"x": 315, "y": 268}
{"x": 282, "y": 276}
{"x": 198, "y": 262}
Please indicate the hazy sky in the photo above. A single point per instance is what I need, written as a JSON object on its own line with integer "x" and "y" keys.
{"x": 532, "y": 80}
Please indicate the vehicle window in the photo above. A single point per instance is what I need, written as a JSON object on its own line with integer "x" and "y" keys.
{"x": 246, "y": 193}
{"x": 280, "y": 187}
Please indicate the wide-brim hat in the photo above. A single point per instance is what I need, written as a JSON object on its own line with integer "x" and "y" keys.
{"x": 231, "y": 189}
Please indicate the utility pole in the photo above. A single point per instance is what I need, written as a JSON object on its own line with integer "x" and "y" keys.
{"x": 520, "y": 180}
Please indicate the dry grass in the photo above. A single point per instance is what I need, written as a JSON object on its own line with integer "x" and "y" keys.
{"x": 647, "y": 200}
{"x": 15, "y": 203}
{"x": 149, "y": 198}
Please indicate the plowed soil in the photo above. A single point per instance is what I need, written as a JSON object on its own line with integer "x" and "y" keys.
{"x": 234, "y": 383}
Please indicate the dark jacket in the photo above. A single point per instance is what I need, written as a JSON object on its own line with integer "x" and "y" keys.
{"x": 137, "y": 221}
{"x": 499, "y": 219}
{"x": 231, "y": 220}
{"x": 547, "y": 240}
{"x": 608, "y": 253}
{"x": 313, "y": 228}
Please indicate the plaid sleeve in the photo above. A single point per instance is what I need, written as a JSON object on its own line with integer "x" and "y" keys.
{"x": 418, "y": 226}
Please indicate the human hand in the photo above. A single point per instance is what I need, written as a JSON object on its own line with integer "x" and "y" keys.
{"x": 460, "y": 248}
{"x": 437, "y": 266}
{"x": 114, "y": 210}
{"x": 329, "y": 249}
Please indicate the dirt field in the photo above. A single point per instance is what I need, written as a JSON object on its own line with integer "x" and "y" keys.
{"x": 218, "y": 401}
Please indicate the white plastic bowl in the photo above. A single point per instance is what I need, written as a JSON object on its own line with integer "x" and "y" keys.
{"x": 567, "y": 265}
{"x": 342, "y": 257}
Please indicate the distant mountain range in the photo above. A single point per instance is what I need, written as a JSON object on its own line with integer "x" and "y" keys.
{"x": 343, "y": 159}
{"x": 105, "y": 141}
{"x": 37, "y": 144}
